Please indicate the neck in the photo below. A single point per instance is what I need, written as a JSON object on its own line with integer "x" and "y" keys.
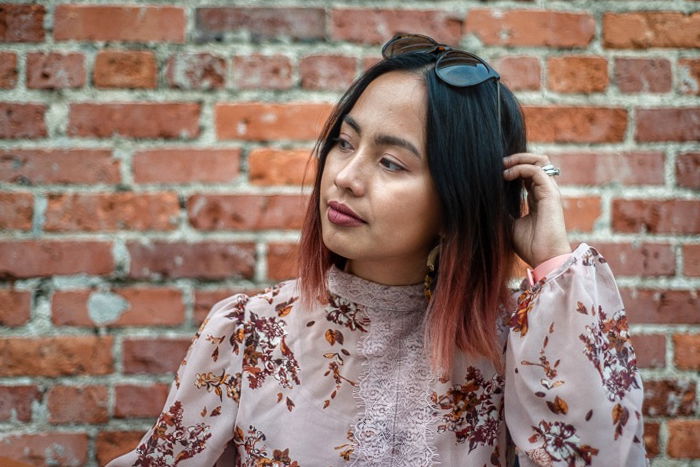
{"x": 389, "y": 272}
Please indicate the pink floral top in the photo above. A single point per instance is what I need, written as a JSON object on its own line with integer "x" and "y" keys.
{"x": 267, "y": 383}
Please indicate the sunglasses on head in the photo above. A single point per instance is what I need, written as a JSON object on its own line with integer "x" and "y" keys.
{"x": 455, "y": 67}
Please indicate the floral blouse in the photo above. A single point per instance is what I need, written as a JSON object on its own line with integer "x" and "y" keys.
{"x": 347, "y": 382}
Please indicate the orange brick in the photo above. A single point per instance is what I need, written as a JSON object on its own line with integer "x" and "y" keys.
{"x": 8, "y": 69}
{"x": 112, "y": 444}
{"x": 282, "y": 261}
{"x": 650, "y": 350}
{"x": 22, "y": 23}
{"x": 646, "y": 29}
{"x": 678, "y": 216}
{"x": 688, "y": 170}
{"x": 669, "y": 398}
{"x": 51, "y": 448}
{"x": 186, "y": 165}
{"x": 16, "y": 402}
{"x": 22, "y": 120}
{"x": 125, "y": 69}
{"x": 58, "y": 166}
{"x": 654, "y": 306}
{"x": 634, "y": 75}
{"x": 668, "y": 124}
{"x": 204, "y": 300}
{"x": 689, "y": 75}
{"x": 55, "y": 70}
{"x": 16, "y": 210}
{"x": 246, "y": 212}
{"x": 645, "y": 259}
{"x": 519, "y": 73}
{"x": 45, "y": 258}
{"x": 691, "y": 260}
{"x": 215, "y": 23}
{"x": 258, "y": 71}
{"x": 651, "y": 438}
{"x": 603, "y": 168}
{"x": 331, "y": 72}
{"x": 73, "y": 404}
{"x": 153, "y": 355}
{"x": 575, "y": 124}
{"x": 684, "y": 439}
{"x": 687, "y": 351}
{"x": 196, "y": 71}
{"x": 267, "y": 166}
{"x": 577, "y": 74}
{"x": 132, "y": 401}
{"x": 581, "y": 213}
{"x": 14, "y": 307}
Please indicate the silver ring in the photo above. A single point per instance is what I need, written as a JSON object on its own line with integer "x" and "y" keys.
{"x": 550, "y": 170}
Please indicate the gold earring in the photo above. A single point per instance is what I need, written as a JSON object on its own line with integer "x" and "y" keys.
{"x": 431, "y": 273}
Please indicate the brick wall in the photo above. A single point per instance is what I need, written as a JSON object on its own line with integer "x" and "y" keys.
{"x": 151, "y": 157}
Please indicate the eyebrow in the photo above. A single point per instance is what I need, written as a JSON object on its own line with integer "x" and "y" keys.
{"x": 383, "y": 140}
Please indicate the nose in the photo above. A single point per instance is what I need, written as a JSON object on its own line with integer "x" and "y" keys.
{"x": 352, "y": 175}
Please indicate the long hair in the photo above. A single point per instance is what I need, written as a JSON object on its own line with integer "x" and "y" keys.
{"x": 465, "y": 150}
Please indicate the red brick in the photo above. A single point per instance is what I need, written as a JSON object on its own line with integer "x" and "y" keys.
{"x": 125, "y": 69}
{"x": 218, "y": 23}
{"x": 646, "y": 29}
{"x": 139, "y": 401}
{"x": 186, "y": 165}
{"x": 661, "y": 306}
{"x": 45, "y": 258}
{"x": 135, "y": 119}
{"x": 634, "y": 75}
{"x": 196, "y": 71}
{"x": 56, "y": 356}
{"x": 331, "y": 72}
{"x": 268, "y": 166}
{"x": 258, "y": 71}
{"x": 153, "y": 355}
{"x": 8, "y": 69}
{"x": 14, "y": 307}
{"x": 112, "y": 444}
{"x": 691, "y": 260}
{"x": 650, "y": 350}
{"x": 16, "y": 402}
{"x": 109, "y": 212}
{"x": 577, "y": 74}
{"x": 206, "y": 260}
{"x": 530, "y": 27}
{"x": 282, "y": 261}
{"x": 54, "y": 70}
{"x": 204, "y": 300}
{"x": 581, "y": 213}
{"x": 684, "y": 439}
{"x": 73, "y": 404}
{"x": 646, "y": 259}
{"x": 16, "y": 210}
{"x": 689, "y": 76}
{"x": 519, "y": 73}
{"x": 651, "y": 438}
{"x": 678, "y": 216}
{"x": 668, "y": 124}
{"x": 21, "y": 23}
{"x": 132, "y": 306}
{"x": 575, "y": 124}
{"x": 22, "y": 120}
{"x": 688, "y": 170}
{"x": 370, "y": 61}
{"x": 260, "y": 121}
{"x": 687, "y": 351}
{"x": 119, "y": 23}
{"x": 58, "y": 166}
{"x": 603, "y": 168}
{"x": 46, "y": 448}
{"x": 669, "y": 398}
{"x": 246, "y": 212}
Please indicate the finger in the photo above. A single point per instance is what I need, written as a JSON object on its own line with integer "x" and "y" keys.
{"x": 542, "y": 184}
{"x": 526, "y": 158}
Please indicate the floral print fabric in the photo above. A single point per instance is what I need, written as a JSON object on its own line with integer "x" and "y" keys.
{"x": 346, "y": 382}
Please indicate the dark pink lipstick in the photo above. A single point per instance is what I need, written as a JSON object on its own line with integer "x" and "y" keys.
{"x": 340, "y": 214}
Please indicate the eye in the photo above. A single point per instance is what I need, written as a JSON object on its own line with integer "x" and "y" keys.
{"x": 343, "y": 144}
{"x": 391, "y": 163}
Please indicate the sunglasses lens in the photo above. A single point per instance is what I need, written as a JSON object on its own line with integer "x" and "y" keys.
{"x": 460, "y": 69}
{"x": 406, "y": 44}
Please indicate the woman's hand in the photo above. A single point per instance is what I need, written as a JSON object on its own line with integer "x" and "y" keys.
{"x": 541, "y": 234}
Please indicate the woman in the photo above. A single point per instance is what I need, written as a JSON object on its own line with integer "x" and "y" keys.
{"x": 400, "y": 343}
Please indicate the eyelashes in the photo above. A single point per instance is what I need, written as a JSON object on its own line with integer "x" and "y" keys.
{"x": 345, "y": 146}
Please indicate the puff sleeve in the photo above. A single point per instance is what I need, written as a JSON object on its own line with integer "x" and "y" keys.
{"x": 573, "y": 394}
{"x": 198, "y": 418}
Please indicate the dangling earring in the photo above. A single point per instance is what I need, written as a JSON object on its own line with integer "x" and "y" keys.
{"x": 431, "y": 271}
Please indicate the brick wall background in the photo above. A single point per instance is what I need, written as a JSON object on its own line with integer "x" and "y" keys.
{"x": 151, "y": 161}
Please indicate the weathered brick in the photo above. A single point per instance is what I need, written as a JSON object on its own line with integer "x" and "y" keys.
{"x": 119, "y": 23}
{"x": 646, "y": 29}
{"x": 645, "y": 259}
{"x": 55, "y": 70}
{"x": 21, "y": 23}
{"x": 58, "y": 166}
{"x": 268, "y": 166}
{"x": 45, "y": 258}
{"x": 135, "y": 119}
{"x": 519, "y": 73}
{"x": 331, "y": 72}
{"x": 217, "y": 23}
{"x": 134, "y": 401}
{"x": 668, "y": 124}
{"x": 246, "y": 212}
{"x": 282, "y": 261}
{"x": 633, "y": 75}
{"x": 575, "y": 124}
{"x": 687, "y": 351}
{"x": 530, "y": 27}
{"x": 16, "y": 210}
{"x": 651, "y": 438}
{"x": 131, "y": 306}
{"x": 112, "y": 444}
{"x": 125, "y": 69}
{"x": 206, "y": 260}
{"x": 14, "y": 307}
{"x": 16, "y": 402}
{"x": 652, "y": 306}
{"x": 78, "y": 404}
{"x": 650, "y": 350}
{"x": 577, "y": 74}
{"x": 50, "y": 448}
{"x": 684, "y": 439}
{"x": 691, "y": 260}
{"x": 678, "y": 216}
{"x": 22, "y": 120}
{"x": 581, "y": 213}
{"x": 8, "y": 69}
{"x": 259, "y": 71}
{"x": 110, "y": 212}
{"x": 153, "y": 355}
{"x": 261, "y": 121}
{"x": 688, "y": 170}
{"x": 603, "y": 168}
{"x": 689, "y": 76}
{"x": 669, "y": 398}
{"x": 56, "y": 356}
{"x": 204, "y": 300}
{"x": 196, "y": 71}
{"x": 186, "y": 165}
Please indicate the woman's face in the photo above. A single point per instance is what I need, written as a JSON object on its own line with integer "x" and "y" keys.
{"x": 379, "y": 169}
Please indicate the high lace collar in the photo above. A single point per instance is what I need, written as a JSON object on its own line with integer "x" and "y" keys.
{"x": 374, "y": 295}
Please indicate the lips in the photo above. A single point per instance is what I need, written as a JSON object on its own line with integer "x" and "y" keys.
{"x": 340, "y": 207}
